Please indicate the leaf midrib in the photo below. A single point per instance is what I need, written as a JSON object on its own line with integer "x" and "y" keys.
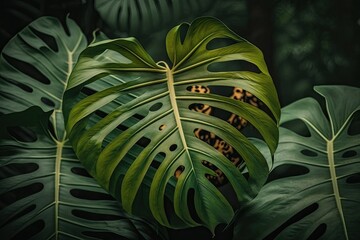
{"x": 332, "y": 166}
{"x": 333, "y": 175}
{"x": 174, "y": 105}
{"x": 63, "y": 139}
{"x": 331, "y": 160}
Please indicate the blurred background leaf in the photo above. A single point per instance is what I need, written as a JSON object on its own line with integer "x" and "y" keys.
{"x": 305, "y": 43}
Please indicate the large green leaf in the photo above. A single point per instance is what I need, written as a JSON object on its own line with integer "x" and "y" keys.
{"x": 314, "y": 189}
{"x": 44, "y": 191}
{"x": 149, "y": 103}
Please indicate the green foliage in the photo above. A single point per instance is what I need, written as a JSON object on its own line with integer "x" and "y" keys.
{"x": 128, "y": 17}
{"x": 48, "y": 54}
{"x": 45, "y": 192}
{"x": 316, "y": 43}
{"x": 313, "y": 190}
{"x": 146, "y": 130}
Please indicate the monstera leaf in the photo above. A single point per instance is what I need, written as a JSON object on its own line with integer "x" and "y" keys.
{"x": 130, "y": 17}
{"x": 314, "y": 189}
{"x": 143, "y": 150}
{"x": 45, "y": 193}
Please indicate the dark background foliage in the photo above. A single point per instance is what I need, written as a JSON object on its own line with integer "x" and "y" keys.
{"x": 305, "y": 42}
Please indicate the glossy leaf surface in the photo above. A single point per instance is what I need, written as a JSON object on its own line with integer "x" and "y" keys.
{"x": 45, "y": 193}
{"x": 149, "y": 102}
{"x": 314, "y": 189}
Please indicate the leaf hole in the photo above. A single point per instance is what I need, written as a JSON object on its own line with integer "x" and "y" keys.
{"x": 48, "y": 102}
{"x": 65, "y": 27}
{"x": 298, "y": 127}
{"x": 143, "y": 142}
{"x": 20, "y": 214}
{"x": 95, "y": 216}
{"x": 51, "y": 129}
{"x": 15, "y": 195}
{"x": 30, "y": 230}
{"x": 191, "y": 205}
{"x": 90, "y": 195}
{"x": 179, "y": 171}
{"x": 217, "y": 43}
{"x": 15, "y": 169}
{"x": 9, "y": 151}
{"x": 104, "y": 235}
{"x": 211, "y": 177}
{"x": 297, "y": 217}
{"x": 287, "y": 170}
{"x": 183, "y": 31}
{"x": 353, "y": 178}
{"x": 88, "y": 91}
{"x": 309, "y": 153}
{"x": 354, "y": 127}
{"x": 101, "y": 114}
{"x": 349, "y": 154}
{"x": 169, "y": 208}
{"x": 162, "y": 127}
{"x": 22, "y": 134}
{"x": 199, "y": 107}
{"x": 23, "y": 86}
{"x": 156, "y": 107}
{"x": 27, "y": 69}
{"x": 158, "y": 160}
{"x": 318, "y": 232}
{"x": 233, "y": 65}
{"x": 49, "y": 40}
{"x": 224, "y": 148}
{"x": 239, "y": 122}
{"x": 80, "y": 171}
{"x": 173, "y": 147}
{"x": 122, "y": 127}
{"x": 198, "y": 89}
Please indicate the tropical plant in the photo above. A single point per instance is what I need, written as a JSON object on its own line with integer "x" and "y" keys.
{"x": 145, "y": 132}
{"x": 45, "y": 193}
{"x": 313, "y": 190}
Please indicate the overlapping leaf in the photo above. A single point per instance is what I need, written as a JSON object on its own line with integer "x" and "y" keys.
{"x": 149, "y": 105}
{"x": 45, "y": 193}
{"x": 314, "y": 189}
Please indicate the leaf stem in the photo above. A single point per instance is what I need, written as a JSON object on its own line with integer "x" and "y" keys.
{"x": 59, "y": 148}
